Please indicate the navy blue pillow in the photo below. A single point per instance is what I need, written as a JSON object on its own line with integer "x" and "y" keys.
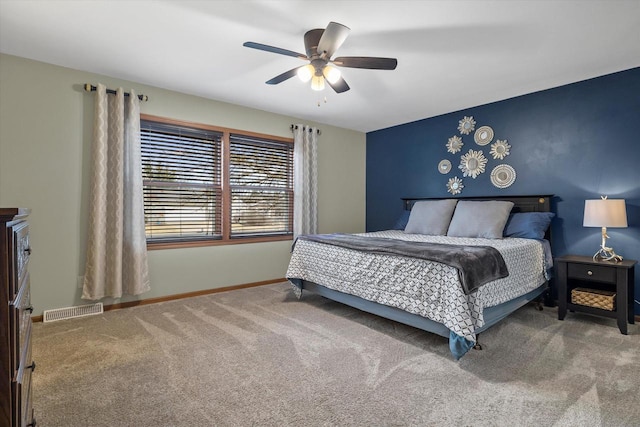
{"x": 529, "y": 225}
{"x": 401, "y": 223}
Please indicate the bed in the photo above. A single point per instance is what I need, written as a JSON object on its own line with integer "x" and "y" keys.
{"x": 415, "y": 275}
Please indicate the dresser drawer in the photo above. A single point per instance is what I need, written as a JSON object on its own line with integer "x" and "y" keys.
{"x": 28, "y": 417}
{"x": 22, "y": 254}
{"x": 22, "y": 388}
{"x": 15, "y": 319}
{"x": 21, "y": 310}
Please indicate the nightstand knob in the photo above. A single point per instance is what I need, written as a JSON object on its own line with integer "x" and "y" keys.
{"x": 590, "y": 273}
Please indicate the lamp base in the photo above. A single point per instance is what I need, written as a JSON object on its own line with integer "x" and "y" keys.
{"x": 607, "y": 254}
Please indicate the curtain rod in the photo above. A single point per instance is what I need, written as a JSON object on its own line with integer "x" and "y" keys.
{"x": 91, "y": 88}
{"x": 296, "y": 127}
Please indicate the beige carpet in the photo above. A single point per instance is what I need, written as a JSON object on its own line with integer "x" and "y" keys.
{"x": 259, "y": 357}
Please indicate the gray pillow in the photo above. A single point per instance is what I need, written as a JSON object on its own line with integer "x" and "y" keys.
{"x": 480, "y": 219}
{"x": 431, "y": 217}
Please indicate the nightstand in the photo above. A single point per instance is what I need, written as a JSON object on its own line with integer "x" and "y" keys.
{"x": 583, "y": 272}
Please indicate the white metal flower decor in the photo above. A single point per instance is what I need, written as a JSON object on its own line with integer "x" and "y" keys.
{"x": 472, "y": 164}
{"x": 466, "y": 125}
{"x": 454, "y": 144}
{"x": 444, "y": 166}
{"x": 483, "y": 135}
{"x": 454, "y": 185}
{"x": 500, "y": 149}
{"x": 502, "y": 176}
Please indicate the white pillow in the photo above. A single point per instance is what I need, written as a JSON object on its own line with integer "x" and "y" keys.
{"x": 431, "y": 217}
{"x": 480, "y": 219}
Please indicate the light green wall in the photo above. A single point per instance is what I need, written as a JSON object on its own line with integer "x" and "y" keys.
{"x": 45, "y": 146}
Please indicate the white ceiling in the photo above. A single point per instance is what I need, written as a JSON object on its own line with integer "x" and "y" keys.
{"x": 451, "y": 54}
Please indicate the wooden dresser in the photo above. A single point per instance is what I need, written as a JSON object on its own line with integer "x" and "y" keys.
{"x": 16, "y": 365}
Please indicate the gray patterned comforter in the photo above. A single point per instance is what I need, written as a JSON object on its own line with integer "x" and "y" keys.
{"x": 476, "y": 265}
{"x": 418, "y": 286}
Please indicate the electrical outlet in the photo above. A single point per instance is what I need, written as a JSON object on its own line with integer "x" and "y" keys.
{"x": 80, "y": 282}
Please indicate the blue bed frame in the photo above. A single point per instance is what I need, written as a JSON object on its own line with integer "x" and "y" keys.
{"x": 492, "y": 315}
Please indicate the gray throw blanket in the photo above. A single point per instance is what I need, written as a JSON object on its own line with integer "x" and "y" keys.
{"x": 476, "y": 265}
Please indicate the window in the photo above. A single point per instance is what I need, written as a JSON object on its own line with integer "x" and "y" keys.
{"x": 261, "y": 181}
{"x": 206, "y": 185}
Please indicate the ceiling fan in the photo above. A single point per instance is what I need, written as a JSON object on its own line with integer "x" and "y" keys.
{"x": 320, "y": 46}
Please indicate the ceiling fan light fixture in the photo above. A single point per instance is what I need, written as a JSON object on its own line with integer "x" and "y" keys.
{"x": 305, "y": 73}
{"x": 317, "y": 83}
{"x": 332, "y": 74}
{"x": 320, "y": 46}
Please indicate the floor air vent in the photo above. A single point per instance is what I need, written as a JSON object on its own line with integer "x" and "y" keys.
{"x": 71, "y": 312}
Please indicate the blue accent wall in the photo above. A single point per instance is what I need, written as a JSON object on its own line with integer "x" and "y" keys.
{"x": 576, "y": 142}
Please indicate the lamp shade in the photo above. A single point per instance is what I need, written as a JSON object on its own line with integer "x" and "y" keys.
{"x": 317, "y": 82}
{"x": 305, "y": 73}
{"x": 605, "y": 213}
{"x": 332, "y": 74}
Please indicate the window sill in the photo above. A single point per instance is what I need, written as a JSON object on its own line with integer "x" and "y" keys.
{"x": 152, "y": 246}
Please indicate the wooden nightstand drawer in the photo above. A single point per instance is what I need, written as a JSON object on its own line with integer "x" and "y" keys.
{"x": 591, "y": 272}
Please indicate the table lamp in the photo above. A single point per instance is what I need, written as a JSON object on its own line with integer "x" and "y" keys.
{"x": 605, "y": 213}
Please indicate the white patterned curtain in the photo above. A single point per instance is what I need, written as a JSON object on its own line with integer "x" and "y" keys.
{"x": 305, "y": 180}
{"x": 116, "y": 244}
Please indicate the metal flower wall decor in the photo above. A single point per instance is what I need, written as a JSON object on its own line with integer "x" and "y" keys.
{"x": 500, "y": 149}
{"x": 466, "y": 125}
{"x": 454, "y": 144}
{"x": 454, "y": 185}
{"x": 502, "y": 176}
{"x": 444, "y": 166}
{"x": 483, "y": 135}
{"x": 472, "y": 164}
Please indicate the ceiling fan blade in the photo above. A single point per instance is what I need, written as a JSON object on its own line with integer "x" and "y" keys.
{"x": 368, "y": 62}
{"x": 332, "y": 39}
{"x": 273, "y": 49}
{"x": 284, "y": 76}
{"x": 339, "y": 86}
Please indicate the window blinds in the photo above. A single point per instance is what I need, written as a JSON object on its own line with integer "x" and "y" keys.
{"x": 261, "y": 182}
{"x": 181, "y": 170}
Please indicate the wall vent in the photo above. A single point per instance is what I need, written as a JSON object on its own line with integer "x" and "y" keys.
{"x": 71, "y": 312}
